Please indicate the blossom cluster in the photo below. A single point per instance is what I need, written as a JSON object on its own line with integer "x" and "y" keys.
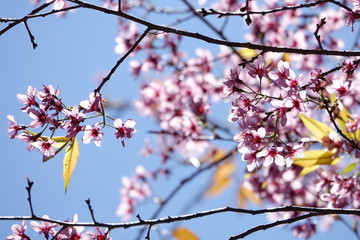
{"x": 48, "y": 112}
{"x": 48, "y": 230}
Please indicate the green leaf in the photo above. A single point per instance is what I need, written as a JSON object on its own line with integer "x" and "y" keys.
{"x": 349, "y": 168}
{"x": 317, "y": 129}
{"x": 70, "y": 160}
{"x": 316, "y": 157}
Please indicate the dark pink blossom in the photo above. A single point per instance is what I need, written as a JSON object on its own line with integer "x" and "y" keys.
{"x": 14, "y": 127}
{"x": 339, "y": 87}
{"x": 74, "y": 118}
{"x": 28, "y": 139}
{"x": 98, "y": 235}
{"x": 124, "y": 129}
{"x": 45, "y": 228}
{"x": 29, "y": 99}
{"x": 46, "y": 147}
{"x": 40, "y": 117}
{"x": 93, "y": 133}
{"x": 18, "y": 232}
{"x": 272, "y": 154}
{"x": 93, "y": 104}
{"x": 258, "y": 68}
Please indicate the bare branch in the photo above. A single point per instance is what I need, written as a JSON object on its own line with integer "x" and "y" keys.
{"x": 218, "y": 41}
{"x": 32, "y": 38}
{"x": 112, "y": 71}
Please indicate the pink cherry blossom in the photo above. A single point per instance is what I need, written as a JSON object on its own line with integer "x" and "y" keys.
{"x": 46, "y": 147}
{"x": 74, "y": 118}
{"x": 339, "y": 87}
{"x": 72, "y": 233}
{"x": 40, "y": 117}
{"x": 14, "y": 127}
{"x": 250, "y": 158}
{"x": 93, "y": 133}
{"x": 58, "y": 4}
{"x": 18, "y": 232}
{"x": 28, "y": 139}
{"x": 258, "y": 68}
{"x": 29, "y": 99}
{"x": 124, "y": 129}
{"x": 93, "y": 104}
{"x": 293, "y": 152}
{"x": 98, "y": 235}
{"x": 272, "y": 154}
{"x": 45, "y": 228}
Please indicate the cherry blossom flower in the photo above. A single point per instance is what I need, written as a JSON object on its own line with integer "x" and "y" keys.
{"x": 75, "y": 117}
{"x": 124, "y": 129}
{"x": 339, "y": 87}
{"x": 14, "y": 127}
{"x": 45, "y": 228}
{"x": 98, "y": 235}
{"x": 293, "y": 152}
{"x": 93, "y": 104}
{"x": 29, "y": 99}
{"x": 46, "y": 147}
{"x": 40, "y": 117}
{"x": 284, "y": 72}
{"x": 272, "y": 154}
{"x": 71, "y": 233}
{"x": 28, "y": 139}
{"x": 58, "y": 4}
{"x": 250, "y": 158}
{"x": 93, "y": 133}
{"x": 258, "y": 68}
{"x": 232, "y": 82}
{"x": 18, "y": 232}
{"x": 251, "y": 139}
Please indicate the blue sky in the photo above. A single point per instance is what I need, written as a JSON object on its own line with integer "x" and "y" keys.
{"x": 71, "y": 52}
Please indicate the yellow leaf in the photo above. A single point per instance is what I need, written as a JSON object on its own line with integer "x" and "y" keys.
{"x": 182, "y": 233}
{"x": 245, "y": 194}
{"x": 316, "y": 157}
{"x": 247, "y": 53}
{"x": 307, "y": 170}
{"x": 221, "y": 179}
{"x": 287, "y": 57}
{"x": 61, "y": 142}
{"x": 70, "y": 160}
{"x": 316, "y": 128}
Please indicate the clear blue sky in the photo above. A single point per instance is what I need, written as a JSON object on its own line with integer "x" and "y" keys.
{"x": 71, "y": 52}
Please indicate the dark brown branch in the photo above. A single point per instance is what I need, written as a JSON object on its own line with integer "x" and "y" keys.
{"x": 16, "y": 22}
{"x": 218, "y": 41}
{"x": 318, "y": 211}
{"x": 28, "y": 189}
{"x": 316, "y": 33}
{"x": 183, "y": 182}
{"x": 338, "y": 130}
{"x": 32, "y": 38}
{"x": 273, "y": 224}
{"x": 91, "y": 210}
{"x": 112, "y": 71}
{"x": 205, "y": 12}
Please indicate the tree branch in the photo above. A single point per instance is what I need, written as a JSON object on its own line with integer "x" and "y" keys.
{"x": 112, "y": 71}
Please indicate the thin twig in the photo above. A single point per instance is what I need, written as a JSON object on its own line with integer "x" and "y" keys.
{"x": 112, "y": 71}
{"x": 32, "y": 38}
{"x": 219, "y": 41}
{"x": 91, "y": 210}
{"x": 220, "y": 14}
{"x": 273, "y": 224}
{"x": 28, "y": 189}
{"x": 316, "y": 33}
